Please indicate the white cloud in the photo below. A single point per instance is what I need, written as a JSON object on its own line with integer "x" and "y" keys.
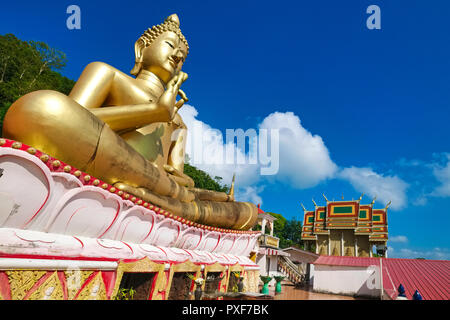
{"x": 209, "y": 158}
{"x": 385, "y": 188}
{"x": 403, "y": 162}
{"x": 421, "y": 200}
{"x": 400, "y": 239}
{"x": 304, "y": 158}
{"x": 442, "y": 174}
{"x": 434, "y": 254}
{"x": 249, "y": 194}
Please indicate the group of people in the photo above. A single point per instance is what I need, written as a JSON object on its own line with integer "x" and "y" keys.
{"x": 402, "y": 295}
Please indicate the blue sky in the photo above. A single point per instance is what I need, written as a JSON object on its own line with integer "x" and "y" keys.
{"x": 368, "y": 110}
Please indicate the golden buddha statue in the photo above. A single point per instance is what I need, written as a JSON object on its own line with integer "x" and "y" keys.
{"x": 125, "y": 130}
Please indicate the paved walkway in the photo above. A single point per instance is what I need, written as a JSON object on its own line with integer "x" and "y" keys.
{"x": 289, "y": 292}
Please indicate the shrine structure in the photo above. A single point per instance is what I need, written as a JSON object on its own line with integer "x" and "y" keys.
{"x": 346, "y": 228}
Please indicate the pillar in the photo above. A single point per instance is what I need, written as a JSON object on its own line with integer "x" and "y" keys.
{"x": 263, "y": 226}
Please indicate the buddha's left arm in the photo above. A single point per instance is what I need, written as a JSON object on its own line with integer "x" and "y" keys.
{"x": 132, "y": 116}
{"x": 136, "y": 116}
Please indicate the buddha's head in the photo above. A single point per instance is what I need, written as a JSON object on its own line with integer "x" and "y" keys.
{"x": 161, "y": 50}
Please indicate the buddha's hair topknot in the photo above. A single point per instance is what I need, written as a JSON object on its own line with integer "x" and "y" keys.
{"x": 172, "y": 23}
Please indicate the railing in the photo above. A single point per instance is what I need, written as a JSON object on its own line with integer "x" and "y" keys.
{"x": 294, "y": 273}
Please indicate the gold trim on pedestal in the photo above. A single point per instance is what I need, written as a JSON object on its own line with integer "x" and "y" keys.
{"x": 187, "y": 266}
{"x": 75, "y": 280}
{"x": 94, "y": 290}
{"x": 21, "y": 281}
{"x": 50, "y": 289}
{"x": 144, "y": 265}
{"x": 216, "y": 267}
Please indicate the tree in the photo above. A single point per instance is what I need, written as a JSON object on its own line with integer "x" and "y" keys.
{"x": 27, "y": 66}
{"x": 288, "y": 231}
{"x": 49, "y": 58}
{"x": 203, "y": 180}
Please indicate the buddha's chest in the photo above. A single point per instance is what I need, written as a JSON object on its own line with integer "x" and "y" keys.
{"x": 130, "y": 92}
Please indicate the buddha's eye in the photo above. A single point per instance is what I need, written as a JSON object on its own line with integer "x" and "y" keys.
{"x": 171, "y": 45}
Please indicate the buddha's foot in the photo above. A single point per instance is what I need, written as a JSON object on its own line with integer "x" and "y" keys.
{"x": 209, "y": 195}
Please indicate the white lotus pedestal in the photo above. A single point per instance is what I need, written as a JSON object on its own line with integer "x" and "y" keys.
{"x": 67, "y": 235}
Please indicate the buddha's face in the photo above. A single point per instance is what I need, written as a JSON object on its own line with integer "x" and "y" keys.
{"x": 165, "y": 56}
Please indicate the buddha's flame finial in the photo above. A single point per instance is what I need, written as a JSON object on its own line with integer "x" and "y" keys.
{"x": 231, "y": 193}
{"x": 173, "y": 18}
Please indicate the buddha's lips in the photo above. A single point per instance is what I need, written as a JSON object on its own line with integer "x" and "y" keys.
{"x": 173, "y": 62}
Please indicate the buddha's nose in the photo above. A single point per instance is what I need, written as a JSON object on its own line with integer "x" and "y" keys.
{"x": 179, "y": 54}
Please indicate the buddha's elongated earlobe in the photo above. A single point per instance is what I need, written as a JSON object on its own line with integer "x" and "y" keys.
{"x": 139, "y": 47}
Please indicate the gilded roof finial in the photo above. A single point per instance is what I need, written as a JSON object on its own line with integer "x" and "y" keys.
{"x": 315, "y": 204}
{"x": 360, "y": 198}
{"x": 304, "y": 209}
{"x": 323, "y": 194}
{"x": 373, "y": 201}
{"x": 388, "y": 204}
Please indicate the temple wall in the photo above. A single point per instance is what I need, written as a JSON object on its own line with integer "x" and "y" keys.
{"x": 347, "y": 280}
{"x": 335, "y": 242}
{"x": 322, "y": 243}
{"x": 363, "y": 246}
{"x": 349, "y": 243}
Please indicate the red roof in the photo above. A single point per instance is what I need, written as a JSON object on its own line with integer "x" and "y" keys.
{"x": 347, "y": 261}
{"x": 430, "y": 277}
{"x": 259, "y": 209}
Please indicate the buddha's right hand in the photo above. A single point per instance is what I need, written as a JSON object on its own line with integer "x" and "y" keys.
{"x": 168, "y": 98}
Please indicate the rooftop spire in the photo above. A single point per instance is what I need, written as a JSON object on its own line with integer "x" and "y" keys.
{"x": 304, "y": 209}
{"x": 388, "y": 204}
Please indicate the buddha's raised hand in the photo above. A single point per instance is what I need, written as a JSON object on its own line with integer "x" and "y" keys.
{"x": 181, "y": 102}
{"x": 168, "y": 98}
